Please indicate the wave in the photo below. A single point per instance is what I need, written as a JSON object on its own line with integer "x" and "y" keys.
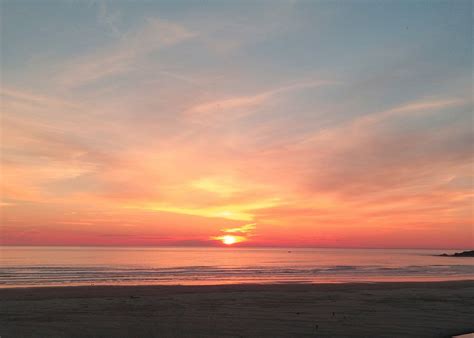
{"x": 86, "y": 275}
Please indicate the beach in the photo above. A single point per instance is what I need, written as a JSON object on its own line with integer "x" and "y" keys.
{"x": 418, "y": 309}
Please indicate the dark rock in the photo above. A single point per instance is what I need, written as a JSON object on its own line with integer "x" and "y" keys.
{"x": 469, "y": 253}
{"x": 464, "y": 254}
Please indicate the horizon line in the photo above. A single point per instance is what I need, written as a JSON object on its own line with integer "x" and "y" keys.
{"x": 232, "y": 246}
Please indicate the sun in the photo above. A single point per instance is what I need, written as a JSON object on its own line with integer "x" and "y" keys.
{"x": 229, "y": 239}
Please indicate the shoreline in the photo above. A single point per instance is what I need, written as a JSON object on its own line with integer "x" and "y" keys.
{"x": 232, "y": 285}
{"x": 244, "y": 285}
{"x": 236, "y": 283}
{"x": 381, "y": 309}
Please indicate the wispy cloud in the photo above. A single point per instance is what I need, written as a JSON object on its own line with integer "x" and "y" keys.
{"x": 235, "y": 235}
{"x": 242, "y": 229}
{"x": 109, "y": 18}
{"x": 186, "y": 124}
{"x": 123, "y": 55}
{"x": 232, "y": 107}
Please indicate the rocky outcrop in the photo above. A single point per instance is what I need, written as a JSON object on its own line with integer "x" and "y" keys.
{"x": 460, "y": 254}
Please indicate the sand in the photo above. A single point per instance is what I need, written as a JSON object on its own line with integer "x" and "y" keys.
{"x": 441, "y": 309}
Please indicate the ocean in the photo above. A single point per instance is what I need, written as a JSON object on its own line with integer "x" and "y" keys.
{"x": 63, "y": 266}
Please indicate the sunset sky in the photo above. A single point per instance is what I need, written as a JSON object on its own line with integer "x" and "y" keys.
{"x": 253, "y": 123}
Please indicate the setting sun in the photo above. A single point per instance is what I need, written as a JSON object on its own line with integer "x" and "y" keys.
{"x": 229, "y": 239}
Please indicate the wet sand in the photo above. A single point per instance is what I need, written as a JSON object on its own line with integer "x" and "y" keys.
{"x": 437, "y": 309}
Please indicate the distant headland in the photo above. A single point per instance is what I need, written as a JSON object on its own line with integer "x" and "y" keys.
{"x": 469, "y": 253}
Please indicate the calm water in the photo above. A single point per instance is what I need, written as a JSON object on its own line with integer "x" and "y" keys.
{"x": 47, "y": 266}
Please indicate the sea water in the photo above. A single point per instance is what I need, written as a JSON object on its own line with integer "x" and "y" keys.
{"x": 49, "y": 266}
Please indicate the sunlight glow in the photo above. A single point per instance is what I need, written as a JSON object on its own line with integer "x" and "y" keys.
{"x": 233, "y": 211}
{"x": 229, "y": 239}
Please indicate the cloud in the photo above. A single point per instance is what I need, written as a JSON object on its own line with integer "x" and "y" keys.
{"x": 417, "y": 108}
{"x": 20, "y": 99}
{"x": 123, "y": 55}
{"x": 238, "y": 106}
{"x": 242, "y": 211}
{"x": 184, "y": 148}
{"x": 242, "y": 229}
{"x": 371, "y": 169}
{"x": 381, "y": 151}
{"x": 109, "y": 18}
{"x": 392, "y": 169}
{"x": 41, "y": 144}
{"x": 235, "y": 235}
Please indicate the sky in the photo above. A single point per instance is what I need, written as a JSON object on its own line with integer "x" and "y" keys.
{"x": 247, "y": 123}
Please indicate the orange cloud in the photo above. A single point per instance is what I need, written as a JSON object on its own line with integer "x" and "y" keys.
{"x": 235, "y": 235}
{"x": 242, "y": 229}
{"x": 353, "y": 184}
